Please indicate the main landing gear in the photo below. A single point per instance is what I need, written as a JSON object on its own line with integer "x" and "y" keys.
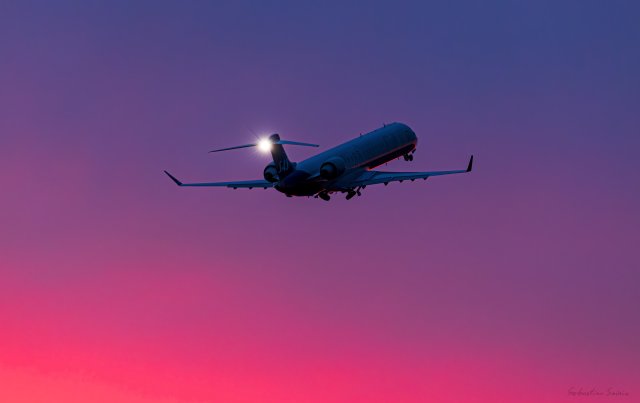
{"x": 408, "y": 157}
{"x": 353, "y": 192}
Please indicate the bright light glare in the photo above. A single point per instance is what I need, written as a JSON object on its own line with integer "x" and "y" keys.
{"x": 264, "y": 145}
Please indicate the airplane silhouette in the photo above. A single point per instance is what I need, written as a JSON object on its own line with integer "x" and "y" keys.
{"x": 346, "y": 168}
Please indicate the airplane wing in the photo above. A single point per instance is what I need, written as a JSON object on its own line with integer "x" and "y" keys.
{"x": 376, "y": 177}
{"x": 240, "y": 184}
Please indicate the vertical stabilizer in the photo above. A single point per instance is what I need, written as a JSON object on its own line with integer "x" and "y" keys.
{"x": 283, "y": 165}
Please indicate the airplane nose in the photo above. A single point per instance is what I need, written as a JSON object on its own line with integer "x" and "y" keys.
{"x": 409, "y": 133}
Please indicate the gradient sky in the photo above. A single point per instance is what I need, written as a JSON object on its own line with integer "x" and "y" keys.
{"x": 514, "y": 283}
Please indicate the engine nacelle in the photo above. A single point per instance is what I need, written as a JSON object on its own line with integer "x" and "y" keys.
{"x": 270, "y": 173}
{"x": 332, "y": 168}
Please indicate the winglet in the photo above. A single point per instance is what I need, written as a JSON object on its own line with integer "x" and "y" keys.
{"x": 173, "y": 178}
{"x": 469, "y": 167}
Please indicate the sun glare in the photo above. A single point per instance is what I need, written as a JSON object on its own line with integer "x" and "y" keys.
{"x": 264, "y": 145}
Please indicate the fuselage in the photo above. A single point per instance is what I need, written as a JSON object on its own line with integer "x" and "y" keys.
{"x": 324, "y": 171}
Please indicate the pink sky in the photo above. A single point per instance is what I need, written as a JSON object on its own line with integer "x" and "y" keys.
{"x": 514, "y": 283}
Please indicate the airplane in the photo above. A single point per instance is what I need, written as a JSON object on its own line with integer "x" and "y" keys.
{"x": 346, "y": 168}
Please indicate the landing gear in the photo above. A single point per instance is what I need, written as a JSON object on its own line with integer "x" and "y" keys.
{"x": 408, "y": 157}
{"x": 353, "y": 192}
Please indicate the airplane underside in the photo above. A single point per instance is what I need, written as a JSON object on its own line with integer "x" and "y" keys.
{"x": 304, "y": 189}
{"x": 295, "y": 183}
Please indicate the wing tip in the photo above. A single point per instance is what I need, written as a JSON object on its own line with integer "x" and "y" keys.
{"x": 173, "y": 178}
{"x": 470, "y": 166}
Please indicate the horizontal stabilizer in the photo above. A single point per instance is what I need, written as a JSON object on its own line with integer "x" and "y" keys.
{"x": 233, "y": 148}
{"x": 295, "y": 143}
{"x": 267, "y": 143}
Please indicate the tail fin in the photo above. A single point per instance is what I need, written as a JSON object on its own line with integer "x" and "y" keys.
{"x": 283, "y": 164}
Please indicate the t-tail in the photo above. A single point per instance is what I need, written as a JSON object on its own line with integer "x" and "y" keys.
{"x": 275, "y": 145}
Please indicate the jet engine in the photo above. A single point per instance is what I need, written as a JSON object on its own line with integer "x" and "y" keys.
{"x": 270, "y": 173}
{"x": 332, "y": 168}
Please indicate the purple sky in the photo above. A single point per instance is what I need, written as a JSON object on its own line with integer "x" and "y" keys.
{"x": 517, "y": 282}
